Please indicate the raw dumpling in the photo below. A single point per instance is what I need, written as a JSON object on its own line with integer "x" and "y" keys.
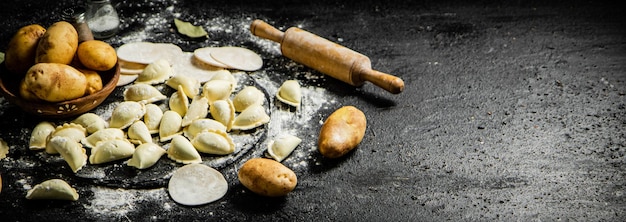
{"x": 73, "y": 131}
{"x": 250, "y": 118}
{"x": 152, "y": 118}
{"x": 280, "y": 148}
{"x": 72, "y": 152}
{"x": 225, "y": 75}
{"x": 171, "y": 125}
{"x": 248, "y": 96}
{"x": 40, "y": 134}
{"x": 91, "y": 122}
{"x": 214, "y": 142}
{"x": 146, "y": 155}
{"x": 156, "y": 72}
{"x": 102, "y": 135}
{"x": 126, "y": 113}
{"x": 190, "y": 86}
{"x": 143, "y": 93}
{"x": 224, "y": 112}
{"x": 290, "y": 93}
{"x": 54, "y": 189}
{"x": 201, "y": 125}
{"x": 217, "y": 90}
{"x": 111, "y": 150}
{"x": 199, "y": 108}
{"x": 182, "y": 151}
{"x": 138, "y": 133}
{"x": 179, "y": 101}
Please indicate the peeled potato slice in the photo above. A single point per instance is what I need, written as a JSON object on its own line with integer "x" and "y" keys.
{"x": 197, "y": 184}
{"x": 238, "y": 58}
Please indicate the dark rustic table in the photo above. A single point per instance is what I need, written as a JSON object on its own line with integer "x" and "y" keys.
{"x": 511, "y": 111}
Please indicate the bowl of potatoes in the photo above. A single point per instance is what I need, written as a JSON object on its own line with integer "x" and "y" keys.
{"x": 49, "y": 73}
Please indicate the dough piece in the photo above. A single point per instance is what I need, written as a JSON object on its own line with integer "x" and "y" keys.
{"x": 126, "y": 79}
{"x": 73, "y": 131}
{"x": 72, "y": 152}
{"x": 126, "y": 113}
{"x": 250, "y": 118}
{"x": 190, "y": 86}
{"x": 156, "y": 72}
{"x": 204, "y": 55}
{"x": 217, "y": 90}
{"x": 53, "y": 189}
{"x": 190, "y": 66}
{"x": 282, "y": 146}
{"x": 237, "y": 58}
{"x": 102, "y": 135}
{"x": 224, "y": 112}
{"x": 179, "y": 102}
{"x": 146, "y": 155}
{"x": 138, "y": 133}
{"x": 152, "y": 118}
{"x": 147, "y": 52}
{"x": 143, "y": 93}
{"x": 290, "y": 93}
{"x": 248, "y": 96}
{"x": 182, "y": 151}
{"x": 199, "y": 108}
{"x": 201, "y": 125}
{"x": 91, "y": 121}
{"x": 197, "y": 184}
{"x": 40, "y": 134}
{"x": 214, "y": 142}
{"x": 171, "y": 125}
{"x": 111, "y": 150}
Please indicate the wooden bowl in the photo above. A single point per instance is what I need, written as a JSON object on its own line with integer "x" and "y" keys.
{"x": 9, "y": 87}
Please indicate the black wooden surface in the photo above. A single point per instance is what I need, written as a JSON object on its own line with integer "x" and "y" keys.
{"x": 511, "y": 111}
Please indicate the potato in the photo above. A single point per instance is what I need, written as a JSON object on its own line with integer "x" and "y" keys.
{"x": 342, "y": 131}
{"x": 54, "y": 82}
{"x": 58, "y": 44}
{"x": 267, "y": 177}
{"x": 97, "y": 55}
{"x": 22, "y": 48}
{"x": 94, "y": 81}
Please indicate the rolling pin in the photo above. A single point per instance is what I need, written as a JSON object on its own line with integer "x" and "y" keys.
{"x": 327, "y": 57}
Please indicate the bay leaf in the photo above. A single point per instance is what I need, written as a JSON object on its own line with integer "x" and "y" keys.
{"x": 188, "y": 29}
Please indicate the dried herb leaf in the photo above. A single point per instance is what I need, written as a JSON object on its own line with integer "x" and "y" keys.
{"x": 190, "y": 30}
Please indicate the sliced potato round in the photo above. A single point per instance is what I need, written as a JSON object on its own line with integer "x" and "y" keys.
{"x": 238, "y": 58}
{"x": 197, "y": 184}
{"x": 204, "y": 55}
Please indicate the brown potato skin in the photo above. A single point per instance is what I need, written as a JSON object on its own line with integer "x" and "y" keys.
{"x": 267, "y": 177}
{"x": 53, "y": 82}
{"x": 94, "y": 81}
{"x": 342, "y": 131}
{"x": 96, "y": 55}
{"x": 58, "y": 44}
{"x": 22, "y": 48}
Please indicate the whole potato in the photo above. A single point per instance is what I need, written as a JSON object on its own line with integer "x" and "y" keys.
{"x": 22, "y": 48}
{"x": 94, "y": 81}
{"x": 267, "y": 177}
{"x": 342, "y": 131}
{"x": 54, "y": 82}
{"x": 97, "y": 55}
{"x": 58, "y": 44}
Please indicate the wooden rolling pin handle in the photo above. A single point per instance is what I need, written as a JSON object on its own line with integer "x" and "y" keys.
{"x": 266, "y": 31}
{"x": 383, "y": 80}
